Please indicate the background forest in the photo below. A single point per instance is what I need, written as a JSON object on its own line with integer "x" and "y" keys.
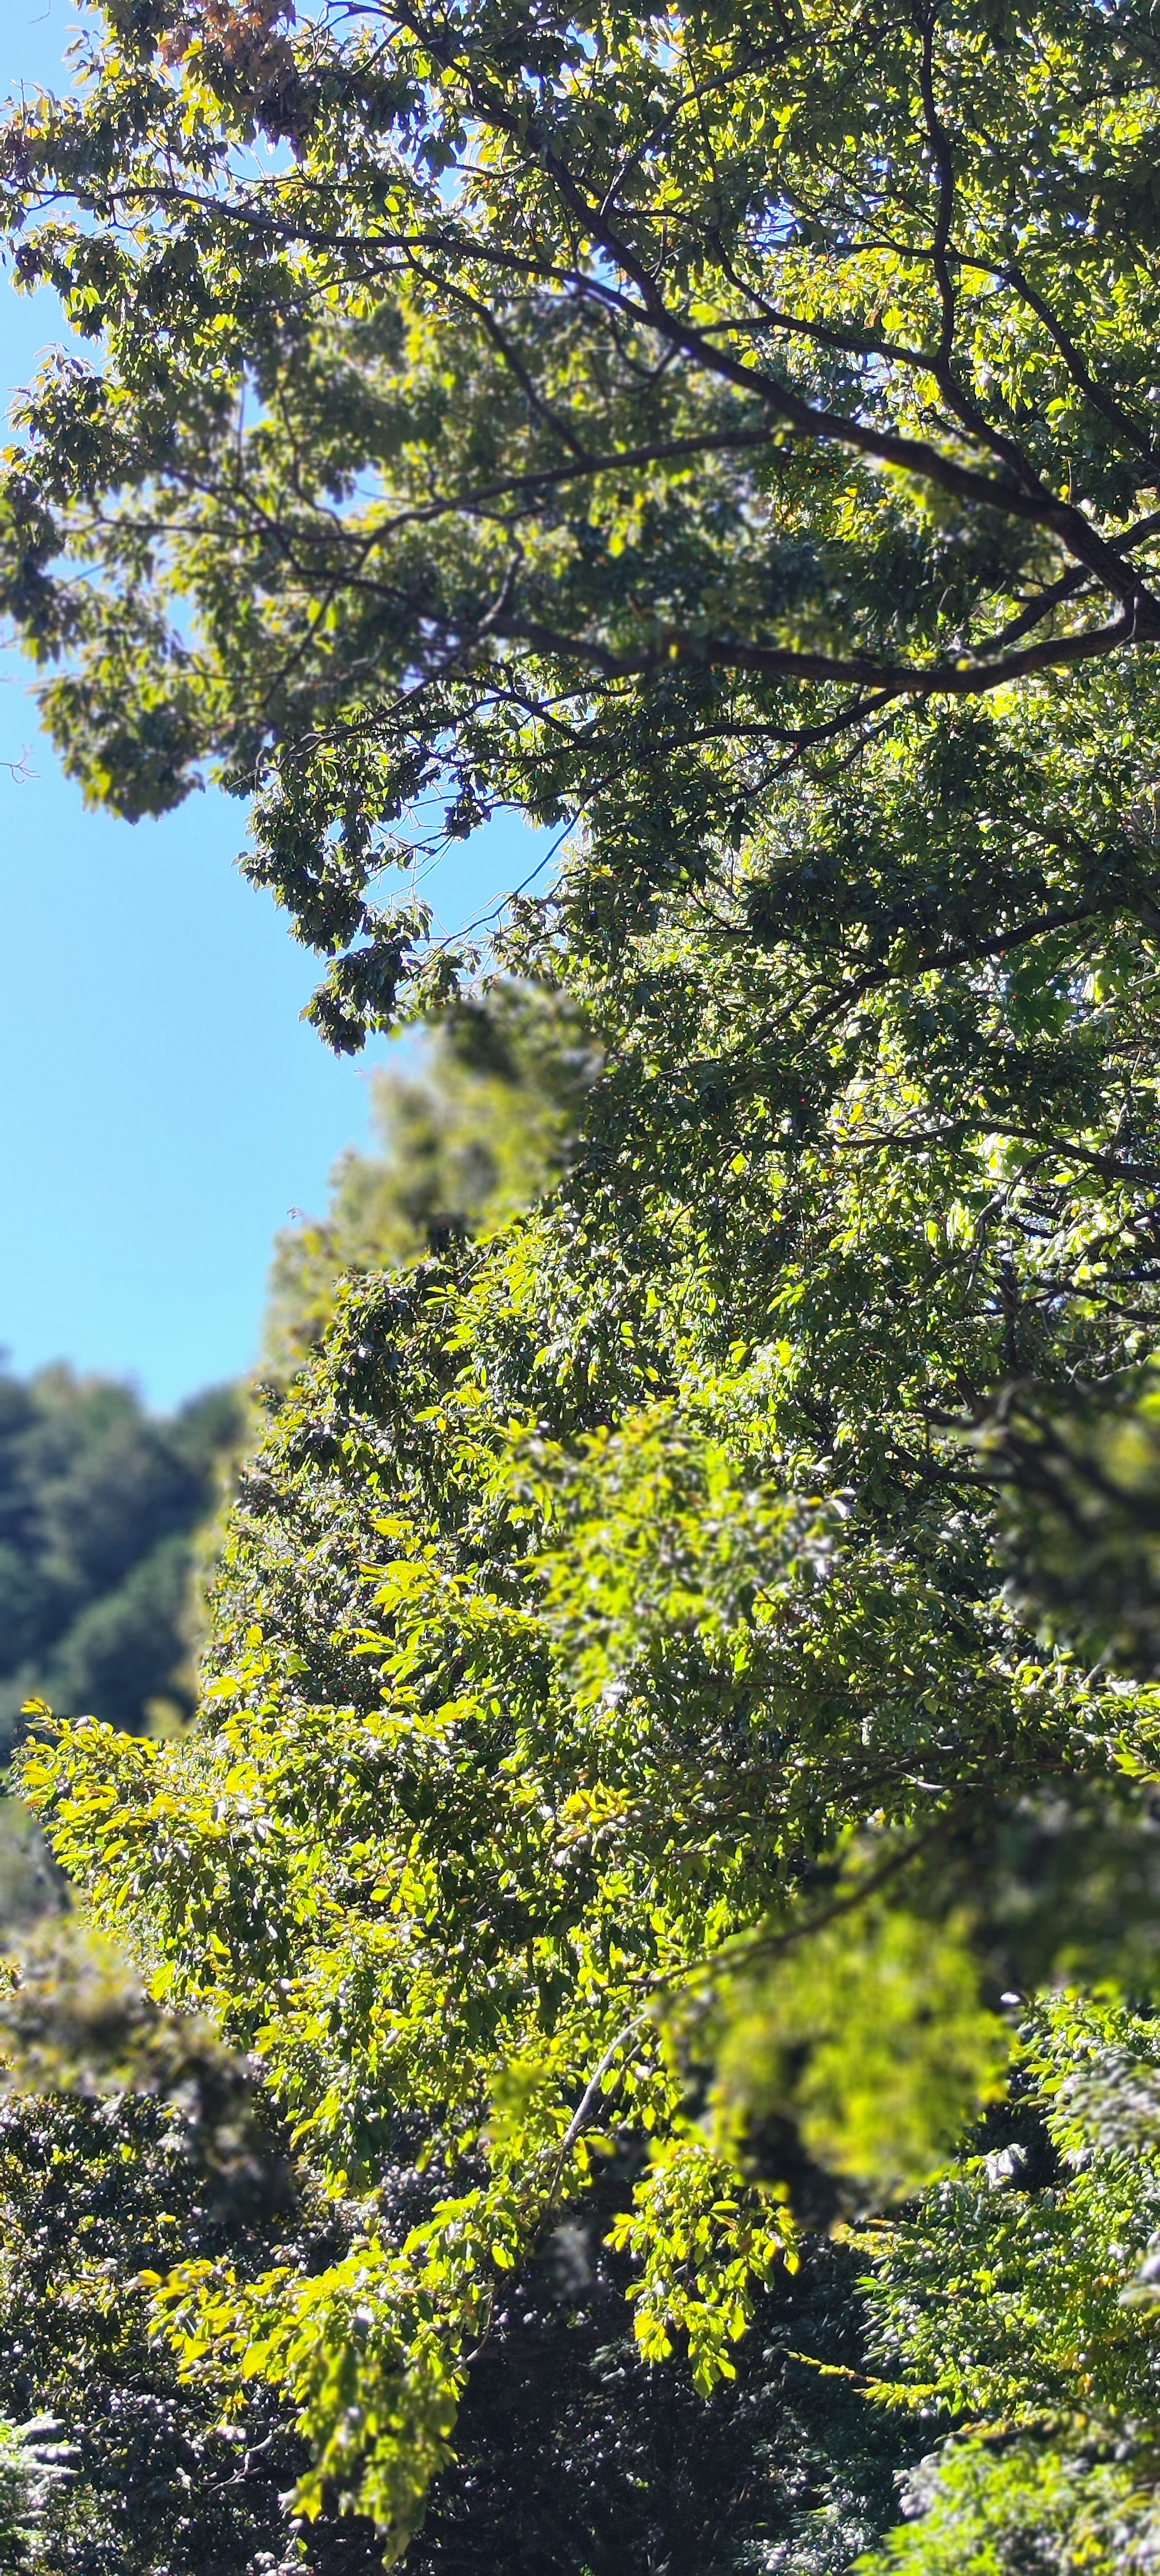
{"x": 589, "y": 1999}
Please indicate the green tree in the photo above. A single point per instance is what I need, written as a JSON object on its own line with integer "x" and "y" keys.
{"x": 122, "y": 2135}
{"x": 128, "y": 2137}
{"x": 628, "y": 1732}
{"x": 32, "y": 2466}
{"x": 617, "y": 1720}
{"x": 478, "y": 1131}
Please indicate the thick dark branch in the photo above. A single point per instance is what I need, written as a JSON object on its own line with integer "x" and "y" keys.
{"x": 775, "y": 661}
{"x": 912, "y": 455}
{"x": 940, "y": 144}
{"x": 1036, "y": 610}
{"x": 925, "y": 1140}
{"x": 848, "y": 343}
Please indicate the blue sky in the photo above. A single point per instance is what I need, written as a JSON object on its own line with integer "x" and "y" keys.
{"x": 162, "y": 1106}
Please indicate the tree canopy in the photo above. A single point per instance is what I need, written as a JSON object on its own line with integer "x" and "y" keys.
{"x": 610, "y": 415}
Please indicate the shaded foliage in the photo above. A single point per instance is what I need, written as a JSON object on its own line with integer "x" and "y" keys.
{"x": 573, "y": 2454}
{"x": 124, "y": 2135}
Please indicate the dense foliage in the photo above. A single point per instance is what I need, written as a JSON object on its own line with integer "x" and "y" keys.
{"x": 652, "y": 1746}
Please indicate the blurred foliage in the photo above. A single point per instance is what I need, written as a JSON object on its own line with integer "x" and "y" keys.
{"x": 886, "y": 2110}
{"x": 1081, "y": 1478}
{"x": 477, "y": 1133}
{"x": 30, "y": 1883}
{"x": 99, "y": 1504}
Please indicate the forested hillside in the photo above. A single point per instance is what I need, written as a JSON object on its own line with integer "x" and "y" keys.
{"x": 626, "y": 2032}
{"x": 99, "y": 1503}
{"x": 102, "y": 1507}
